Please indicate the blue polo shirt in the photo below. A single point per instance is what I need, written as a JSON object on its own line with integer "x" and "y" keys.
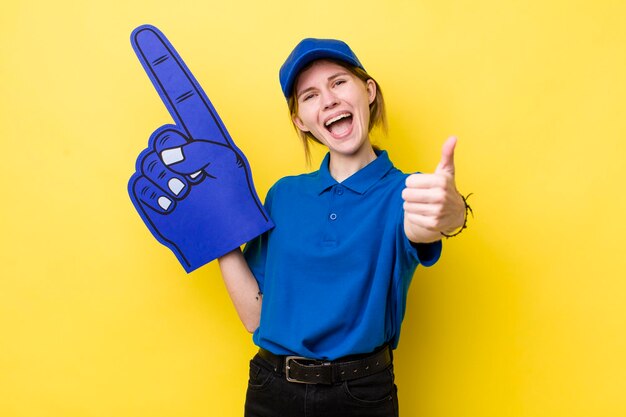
{"x": 335, "y": 271}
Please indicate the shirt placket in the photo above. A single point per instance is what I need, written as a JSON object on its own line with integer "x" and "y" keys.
{"x": 333, "y": 215}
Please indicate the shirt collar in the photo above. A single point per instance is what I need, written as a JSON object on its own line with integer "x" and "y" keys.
{"x": 361, "y": 180}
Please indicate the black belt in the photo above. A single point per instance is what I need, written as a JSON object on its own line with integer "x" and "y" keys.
{"x": 313, "y": 371}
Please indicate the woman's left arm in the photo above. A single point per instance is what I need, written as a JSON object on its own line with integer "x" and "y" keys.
{"x": 242, "y": 288}
{"x": 432, "y": 204}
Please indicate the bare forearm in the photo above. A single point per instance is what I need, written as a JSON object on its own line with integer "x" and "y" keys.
{"x": 242, "y": 288}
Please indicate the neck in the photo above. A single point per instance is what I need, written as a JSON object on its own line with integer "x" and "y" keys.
{"x": 342, "y": 167}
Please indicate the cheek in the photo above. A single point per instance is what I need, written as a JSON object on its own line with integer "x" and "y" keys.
{"x": 365, "y": 115}
{"x": 308, "y": 119}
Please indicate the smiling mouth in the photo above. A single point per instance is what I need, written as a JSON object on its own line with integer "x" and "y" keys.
{"x": 339, "y": 125}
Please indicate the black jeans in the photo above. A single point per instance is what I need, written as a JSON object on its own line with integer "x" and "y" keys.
{"x": 271, "y": 395}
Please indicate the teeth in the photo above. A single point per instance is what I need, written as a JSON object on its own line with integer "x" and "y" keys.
{"x": 334, "y": 119}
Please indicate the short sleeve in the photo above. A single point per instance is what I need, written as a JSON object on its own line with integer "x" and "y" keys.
{"x": 255, "y": 251}
{"x": 428, "y": 253}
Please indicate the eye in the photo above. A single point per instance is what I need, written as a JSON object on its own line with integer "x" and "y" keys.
{"x": 339, "y": 82}
{"x": 308, "y": 97}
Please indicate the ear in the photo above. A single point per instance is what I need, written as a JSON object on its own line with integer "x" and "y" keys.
{"x": 370, "y": 85}
{"x": 298, "y": 122}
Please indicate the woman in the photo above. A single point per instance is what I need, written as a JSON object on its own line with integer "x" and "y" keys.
{"x": 324, "y": 292}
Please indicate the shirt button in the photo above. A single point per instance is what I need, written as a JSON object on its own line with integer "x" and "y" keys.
{"x": 333, "y": 216}
{"x": 339, "y": 191}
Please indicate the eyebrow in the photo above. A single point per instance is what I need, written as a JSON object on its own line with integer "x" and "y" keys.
{"x": 332, "y": 77}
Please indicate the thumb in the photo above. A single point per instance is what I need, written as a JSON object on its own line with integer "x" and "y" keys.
{"x": 447, "y": 157}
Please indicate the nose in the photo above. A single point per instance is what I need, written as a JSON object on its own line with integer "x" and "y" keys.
{"x": 329, "y": 100}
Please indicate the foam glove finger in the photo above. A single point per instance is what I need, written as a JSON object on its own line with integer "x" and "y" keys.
{"x": 150, "y": 195}
{"x": 153, "y": 168}
{"x": 165, "y": 141}
{"x": 200, "y": 155}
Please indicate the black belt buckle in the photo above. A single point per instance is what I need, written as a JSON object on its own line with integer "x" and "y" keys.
{"x": 289, "y": 359}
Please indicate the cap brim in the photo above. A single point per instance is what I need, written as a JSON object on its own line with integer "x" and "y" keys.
{"x": 305, "y": 59}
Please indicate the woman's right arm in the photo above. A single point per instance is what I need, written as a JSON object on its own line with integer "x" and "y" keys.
{"x": 242, "y": 288}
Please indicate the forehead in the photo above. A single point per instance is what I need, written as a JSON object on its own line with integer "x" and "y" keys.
{"x": 318, "y": 71}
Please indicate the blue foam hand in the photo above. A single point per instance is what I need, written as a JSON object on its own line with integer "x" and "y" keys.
{"x": 192, "y": 186}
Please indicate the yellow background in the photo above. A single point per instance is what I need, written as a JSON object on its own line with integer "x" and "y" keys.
{"x": 525, "y": 314}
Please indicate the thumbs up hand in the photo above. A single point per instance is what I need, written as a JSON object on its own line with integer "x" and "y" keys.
{"x": 432, "y": 204}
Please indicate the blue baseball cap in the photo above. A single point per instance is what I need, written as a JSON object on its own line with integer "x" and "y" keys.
{"x": 309, "y": 50}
